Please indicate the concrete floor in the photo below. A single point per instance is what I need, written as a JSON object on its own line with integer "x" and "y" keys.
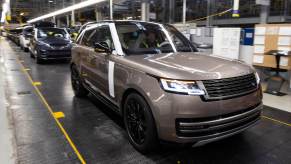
{"x": 7, "y": 154}
{"x": 93, "y": 133}
{"x": 279, "y": 102}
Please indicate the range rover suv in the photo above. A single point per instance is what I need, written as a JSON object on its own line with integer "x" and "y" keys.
{"x": 49, "y": 43}
{"x": 163, "y": 88}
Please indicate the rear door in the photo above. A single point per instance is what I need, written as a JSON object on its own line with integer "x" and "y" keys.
{"x": 84, "y": 52}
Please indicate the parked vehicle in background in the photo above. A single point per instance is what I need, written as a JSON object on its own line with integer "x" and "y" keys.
{"x": 163, "y": 88}
{"x": 74, "y": 32}
{"x": 24, "y": 37}
{"x": 13, "y": 35}
{"x": 50, "y": 43}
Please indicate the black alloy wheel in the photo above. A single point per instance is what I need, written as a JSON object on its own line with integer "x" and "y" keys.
{"x": 140, "y": 124}
{"x": 38, "y": 60}
{"x": 77, "y": 85}
{"x": 31, "y": 54}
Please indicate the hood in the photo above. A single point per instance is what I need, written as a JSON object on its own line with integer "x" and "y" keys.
{"x": 55, "y": 41}
{"x": 189, "y": 66}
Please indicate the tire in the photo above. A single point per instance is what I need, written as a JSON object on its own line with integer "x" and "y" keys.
{"x": 77, "y": 84}
{"x": 38, "y": 60}
{"x": 31, "y": 55}
{"x": 140, "y": 124}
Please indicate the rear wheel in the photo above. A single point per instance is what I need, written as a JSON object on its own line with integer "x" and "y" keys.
{"x": 139, "y": 123}
{"x": 77, "y": 85}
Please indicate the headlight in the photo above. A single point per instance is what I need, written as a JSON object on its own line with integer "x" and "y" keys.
{"x": 44, "y": 44}
{"x": 185, "y": 87}
{"x": 257, "y": 78}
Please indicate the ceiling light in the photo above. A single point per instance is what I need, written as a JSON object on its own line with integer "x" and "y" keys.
{"x": 68, "y": 9}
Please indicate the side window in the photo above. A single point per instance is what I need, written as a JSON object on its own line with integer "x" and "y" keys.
{"x": 102, "y": 34}
{"x": 86, "y": 38}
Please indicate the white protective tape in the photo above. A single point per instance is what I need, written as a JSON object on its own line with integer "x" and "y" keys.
{"x": 111, "y": 78}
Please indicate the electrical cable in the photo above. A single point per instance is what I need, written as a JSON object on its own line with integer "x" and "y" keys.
{"x": 212, "y": 15}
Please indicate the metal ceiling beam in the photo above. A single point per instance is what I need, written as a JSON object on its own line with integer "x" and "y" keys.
{"x": 67, "y": 10}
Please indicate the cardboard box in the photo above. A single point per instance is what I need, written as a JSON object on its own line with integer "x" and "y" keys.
{"x": 270, "y": 61}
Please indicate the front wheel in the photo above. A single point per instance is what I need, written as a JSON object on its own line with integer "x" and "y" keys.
{"x": 139, "y": 123}
{"x": 77, "y": 85}
{"x": 38, "y": 60}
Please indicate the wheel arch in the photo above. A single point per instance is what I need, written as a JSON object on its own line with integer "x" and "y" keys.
{"x": 136, "y": 89}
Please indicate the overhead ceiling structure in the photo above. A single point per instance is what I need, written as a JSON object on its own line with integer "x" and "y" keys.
{"x": 67, "y": 10}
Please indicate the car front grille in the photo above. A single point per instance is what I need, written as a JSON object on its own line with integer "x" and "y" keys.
{"x": 215, "y": 126}
{"x": 59, "y": 53}
{"x": 58, "y": 45}
{"x": 230, "y": 87}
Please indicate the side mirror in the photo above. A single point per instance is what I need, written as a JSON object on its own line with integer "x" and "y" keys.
{"x": 102, "y": 47}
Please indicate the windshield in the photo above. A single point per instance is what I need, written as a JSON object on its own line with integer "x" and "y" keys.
{"x": 52, "y": 32}
{"x": 27, "y": 30}
{"x": 142, "y": 38}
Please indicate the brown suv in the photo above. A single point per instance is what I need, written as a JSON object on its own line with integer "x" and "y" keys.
{"x": 154, "y": 77}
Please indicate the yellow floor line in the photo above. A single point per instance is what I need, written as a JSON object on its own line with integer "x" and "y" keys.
{"x": 36, "y": 83}
{"x": 272, "y": 119}
{"x": 58, "y": 115}
{"x": 52, "y": 113}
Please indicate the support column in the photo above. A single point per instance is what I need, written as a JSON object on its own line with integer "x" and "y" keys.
{"x": 184, "y": 11}
{"x": 68, "y": 20}
{"x": 145, "y": 10}
{"x": 171, "y": 11}
{"x": 73, "y": 22}
{"x": 264, "y": 14}
{"x": 54, "y": 19}
{"x": 111, "y": 9}
{"x": 209, "y": 19}
{"x": 98, "y": 14}
{"x": 58, "y": 23}
{"x": 164, "y": 18}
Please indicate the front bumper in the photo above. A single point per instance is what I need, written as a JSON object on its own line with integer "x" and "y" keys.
{"x": 190, "y": 119}
{"x": 54, "y": 54}
{"x": 215, "y": 128}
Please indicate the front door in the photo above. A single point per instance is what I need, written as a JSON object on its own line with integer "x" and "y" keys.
{"x": 99, "y": 61}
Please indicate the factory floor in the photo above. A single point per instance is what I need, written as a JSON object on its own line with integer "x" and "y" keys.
{"x": 49, "y": 125}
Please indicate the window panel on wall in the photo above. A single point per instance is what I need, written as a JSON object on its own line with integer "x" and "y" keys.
{"x": 126, "y": 9}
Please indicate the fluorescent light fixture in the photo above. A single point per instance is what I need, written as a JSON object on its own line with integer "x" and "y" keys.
{"x": 68, "y": 9}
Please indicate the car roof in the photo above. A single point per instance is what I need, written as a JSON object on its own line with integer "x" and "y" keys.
{"x": 122, "y": 21}
{"x": 50, "y": 28}
{"x": 90, "y": 24}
